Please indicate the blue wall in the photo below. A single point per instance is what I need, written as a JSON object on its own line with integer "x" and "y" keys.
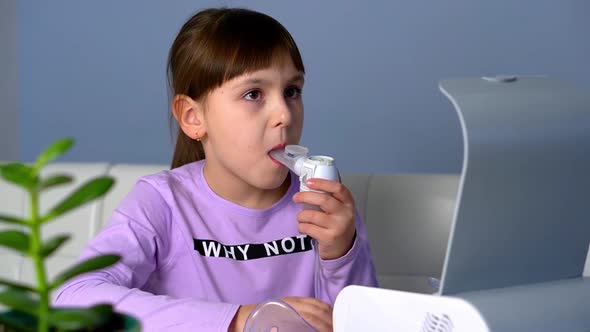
{"x": 9, "y": 116}
{"x": 95, "y": 70}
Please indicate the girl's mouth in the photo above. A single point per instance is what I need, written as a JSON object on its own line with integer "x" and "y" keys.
{"x": 275, "y": 161}
{"x": 276, "y": 147}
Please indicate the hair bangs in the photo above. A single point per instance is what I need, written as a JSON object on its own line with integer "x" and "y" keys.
{"x": 252, "y": 42}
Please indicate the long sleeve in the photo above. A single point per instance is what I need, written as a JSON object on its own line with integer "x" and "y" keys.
{"x": 142, "y": 243}
{"x": 354, "y": 268}
{"x": 190, "y": 257}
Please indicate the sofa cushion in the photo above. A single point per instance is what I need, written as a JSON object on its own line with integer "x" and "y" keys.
{"x": 408, "y": 221}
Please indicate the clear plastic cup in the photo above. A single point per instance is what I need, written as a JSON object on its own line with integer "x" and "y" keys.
{"x": 276, "y": 316}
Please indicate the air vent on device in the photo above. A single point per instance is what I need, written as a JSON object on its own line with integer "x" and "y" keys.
{"x": 437, "y": 323}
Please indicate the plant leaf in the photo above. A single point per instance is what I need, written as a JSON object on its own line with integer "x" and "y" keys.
{"x": 91, "y": 264}
{"x": 74, "y": 319}
{"x": 54, "y": 181}
{"x": 100, "y": 317}
{"x": 53, "y": 244}
{"x": 87, "y": 192}
{"x": 15, "y": 240}
{"x": 115, "y": 321}
{"x": 20, "y": 175}
{"x": 15, "y": 285}
{"x": 127, "y": 323}
{"x": 103, "y": 310}
{"x": 53, "y": 151}
{"x": 18, "y": 321}
{"x": 11, "y": 220}
{"x": 19, "y": 300}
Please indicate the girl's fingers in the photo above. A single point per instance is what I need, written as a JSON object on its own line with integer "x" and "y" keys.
{"x": 337, "y": 189}
{"x": 317, "y": 218}
{"x": 315, "y": 312}
{"x": 326, "y": 202}
{"x": 319, "y": 233}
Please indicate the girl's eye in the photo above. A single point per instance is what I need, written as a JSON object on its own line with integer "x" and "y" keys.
{"x": 253, "y": 95}
{"x": 293, "y": 92}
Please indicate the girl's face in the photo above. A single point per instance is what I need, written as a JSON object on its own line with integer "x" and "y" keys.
{"x": 248, "y": 116}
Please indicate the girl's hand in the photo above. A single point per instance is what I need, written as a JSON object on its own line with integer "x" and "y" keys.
{"x": 315, "y": 312}
{"x": 334, "y": 226}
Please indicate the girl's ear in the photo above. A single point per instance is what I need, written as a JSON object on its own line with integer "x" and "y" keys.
{"x": 189, "y": 116}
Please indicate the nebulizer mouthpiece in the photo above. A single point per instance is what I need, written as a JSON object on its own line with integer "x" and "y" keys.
{"x": 292, "y": 157}
{"x": 306, "y": 167}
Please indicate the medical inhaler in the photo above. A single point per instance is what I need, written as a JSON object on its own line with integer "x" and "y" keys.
{"x": 276, "y": 314}
{"x": 306, "y": 167}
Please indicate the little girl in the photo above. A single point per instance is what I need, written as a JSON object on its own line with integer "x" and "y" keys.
{"x": 224, "y": 229}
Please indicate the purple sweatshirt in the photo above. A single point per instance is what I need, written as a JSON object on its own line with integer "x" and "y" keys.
{"x": 190, "y": 257}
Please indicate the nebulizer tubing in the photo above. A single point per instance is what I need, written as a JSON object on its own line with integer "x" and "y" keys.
{"x": 306, "y": 167}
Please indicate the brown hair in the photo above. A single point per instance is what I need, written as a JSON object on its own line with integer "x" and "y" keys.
{"x": 214, "y": 46}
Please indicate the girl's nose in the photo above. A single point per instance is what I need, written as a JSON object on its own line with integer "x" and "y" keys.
{"x": 281, "y": 113}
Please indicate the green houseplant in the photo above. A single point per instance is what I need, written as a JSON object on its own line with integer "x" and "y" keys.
{"x": 29, "y": 306}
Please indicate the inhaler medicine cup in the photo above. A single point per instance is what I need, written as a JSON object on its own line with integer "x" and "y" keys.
{"x": 276, "y": 316}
